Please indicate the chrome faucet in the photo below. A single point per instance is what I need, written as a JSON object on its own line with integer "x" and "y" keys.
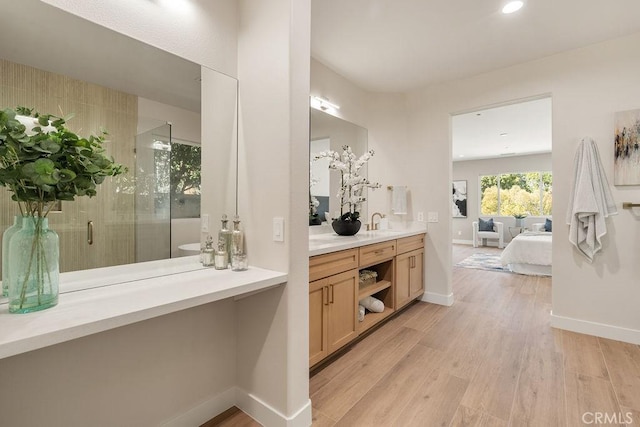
{"x": 374, "y": 225}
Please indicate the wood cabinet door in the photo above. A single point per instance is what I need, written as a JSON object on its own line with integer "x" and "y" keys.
{"x": 318, "y": 311}
{"x": 416, "y": 282}
{"x": 343, "y": 307}
{"x": 403, "y": 278}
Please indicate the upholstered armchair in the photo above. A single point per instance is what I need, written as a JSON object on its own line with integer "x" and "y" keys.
{"x": 496, "y": 234}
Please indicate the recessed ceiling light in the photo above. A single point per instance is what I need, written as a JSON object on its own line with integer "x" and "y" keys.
{"x": 504, "y": 134}
{"x": 461, "y": 155}
{"x": 512, "y": 6}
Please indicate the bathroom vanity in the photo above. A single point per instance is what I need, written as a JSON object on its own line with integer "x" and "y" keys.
{"x": 335, "y": 263}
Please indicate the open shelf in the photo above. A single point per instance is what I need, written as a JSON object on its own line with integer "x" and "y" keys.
{"x": 373, "y": 288}
{"x": 371, "y": 319}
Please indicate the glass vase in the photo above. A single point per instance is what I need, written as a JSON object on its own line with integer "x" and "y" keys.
{"x": 6, "y": 265}
{"x": 34, "y": 273}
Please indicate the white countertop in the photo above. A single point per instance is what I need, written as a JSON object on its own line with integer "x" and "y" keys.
{"x": 324, "y": 243}
{"x": 84, "y": 312}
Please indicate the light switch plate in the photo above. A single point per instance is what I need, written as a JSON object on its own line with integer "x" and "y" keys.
{"x": 204, "y": 223}
{"x": 432, "y": 216}
{"x": 278, "y": 229}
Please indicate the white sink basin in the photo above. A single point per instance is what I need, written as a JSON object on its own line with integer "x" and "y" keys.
{"x": 325, "y": 237}
{"x": 377, "y": 234}
{"x": 331, "y": 237}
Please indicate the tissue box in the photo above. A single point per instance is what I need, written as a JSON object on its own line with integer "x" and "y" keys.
{"x": 368, "y": 277}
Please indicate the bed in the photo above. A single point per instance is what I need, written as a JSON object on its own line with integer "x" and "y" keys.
{"x": 529, "y": 253}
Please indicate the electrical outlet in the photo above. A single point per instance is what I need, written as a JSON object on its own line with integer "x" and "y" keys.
{"x": 432, "y": 216}
{"x": 459, "y": 233}
{"x": 421, "y": 216}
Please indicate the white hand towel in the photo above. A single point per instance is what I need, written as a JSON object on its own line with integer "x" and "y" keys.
{"x": 399, "y": 200}
{"x": 590, "y": 202}
{"x": 372, "y": 304}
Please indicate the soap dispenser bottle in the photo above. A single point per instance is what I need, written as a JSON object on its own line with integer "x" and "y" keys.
{"x": 238, "y": 256}
{"x": 221, "y": 256}
{"x": 208, "y": 253}
{"x": 225, "y": 235}
{"x": 237, "y": 237}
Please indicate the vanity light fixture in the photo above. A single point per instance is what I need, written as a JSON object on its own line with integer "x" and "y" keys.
{"x": 323, "y": 104}
{"x": 512, "y": 6}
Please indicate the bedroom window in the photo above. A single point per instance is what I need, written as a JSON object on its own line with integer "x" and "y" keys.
{"x": 511, "y": 194}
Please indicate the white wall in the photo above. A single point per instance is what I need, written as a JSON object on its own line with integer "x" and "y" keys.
{"x": 587, "y": 86}
{"x": 471, "y": 170}
{"x": 273, "y": 68}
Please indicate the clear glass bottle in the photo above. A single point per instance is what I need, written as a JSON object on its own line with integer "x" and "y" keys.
{"x": 237, "y": 238}
{"x": 17, "y": 225}
{"x": 239, "y": 262}
{"x": 208, "y": 253}
{"x": 221, "y": 257}
{"x": 225, "y": 235}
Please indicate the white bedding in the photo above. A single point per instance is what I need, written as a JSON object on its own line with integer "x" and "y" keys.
{"x": 528, "y": 248}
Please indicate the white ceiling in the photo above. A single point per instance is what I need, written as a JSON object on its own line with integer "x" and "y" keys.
{"x": 399, "y": 45}
{"x": 509, "y": 130}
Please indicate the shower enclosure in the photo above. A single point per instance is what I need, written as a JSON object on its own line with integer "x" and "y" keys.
{"x": 167, "y": 194}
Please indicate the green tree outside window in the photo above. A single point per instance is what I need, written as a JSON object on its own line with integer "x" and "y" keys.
{"x": 516, "y": 194}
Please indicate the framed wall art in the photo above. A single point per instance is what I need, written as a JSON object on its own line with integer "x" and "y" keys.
{"x": 626, "y": 169}
{"x": 459, "y": 206}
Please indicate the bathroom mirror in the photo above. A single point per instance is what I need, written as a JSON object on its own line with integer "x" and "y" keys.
{"x": 151, "y": 104}
{"x": 330, "y": 132}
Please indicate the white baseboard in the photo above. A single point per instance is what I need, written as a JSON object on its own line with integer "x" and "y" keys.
{"x": 439, "y": 299}
{"x": 251, "y": 405}
{"x": 269, "y": 416}
{"x": 617, "y": 333}
{"x": 462, "y": 242}
{"x": 206, "y": 410}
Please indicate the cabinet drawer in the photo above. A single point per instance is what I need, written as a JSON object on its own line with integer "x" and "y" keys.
{"x": 411, "y": 243}
{"x": 372, "y": 254}
{"x": 336, "y": 262}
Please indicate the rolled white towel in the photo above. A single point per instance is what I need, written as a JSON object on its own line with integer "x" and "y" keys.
{"x": 360, "y": 313}
{"x": 372, "y": 304}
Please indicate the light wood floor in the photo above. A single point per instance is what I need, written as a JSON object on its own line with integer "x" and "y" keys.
{"x": 489, "y": 360}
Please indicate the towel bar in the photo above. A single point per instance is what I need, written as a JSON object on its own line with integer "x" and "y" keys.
{"x": 629, "y": 205}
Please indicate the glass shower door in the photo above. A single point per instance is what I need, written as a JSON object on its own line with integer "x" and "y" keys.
{"x": 152, "y": 194}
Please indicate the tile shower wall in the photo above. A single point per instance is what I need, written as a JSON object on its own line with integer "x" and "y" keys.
{"x": 112, "y": 210}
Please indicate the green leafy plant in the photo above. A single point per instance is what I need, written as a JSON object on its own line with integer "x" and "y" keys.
{"x": 42, "y": 162}
{"x": 49, "y": 162}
